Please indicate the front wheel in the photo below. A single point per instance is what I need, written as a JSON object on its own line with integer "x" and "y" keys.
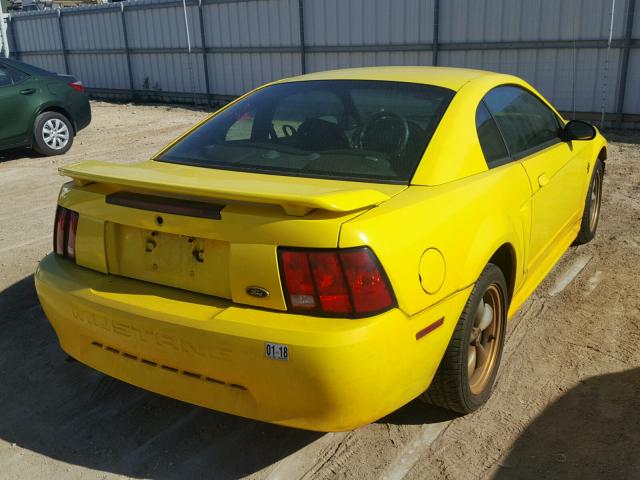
{"x": 53, "y": 134}
{"x": 591, "y": 214}
{"x": 469, "y": 367}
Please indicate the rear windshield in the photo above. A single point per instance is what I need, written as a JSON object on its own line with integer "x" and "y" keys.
{"x": 340, "y": 129}
{"x": 28, "y": 68}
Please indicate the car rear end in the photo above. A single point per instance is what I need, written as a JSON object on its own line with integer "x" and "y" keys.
{"x": 239, "y": 307}
{"x": 70, "y": 93}
{"x": 232, "y": 289}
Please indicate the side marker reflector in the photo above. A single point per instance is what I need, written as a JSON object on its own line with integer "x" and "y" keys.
{"x": 429, "y": 328}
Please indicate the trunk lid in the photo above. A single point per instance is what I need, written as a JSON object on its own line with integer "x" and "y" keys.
{"x": 209, "y": 231}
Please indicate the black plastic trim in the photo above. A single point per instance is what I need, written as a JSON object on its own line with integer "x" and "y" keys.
{"x": 175, "y": 206}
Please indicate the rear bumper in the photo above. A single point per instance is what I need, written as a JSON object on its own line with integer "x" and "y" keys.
{"x": 82, "y": 115}
{"x": 340, "y": 374}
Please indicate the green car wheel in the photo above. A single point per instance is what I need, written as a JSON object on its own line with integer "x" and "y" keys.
{"x": 52, "y": 133}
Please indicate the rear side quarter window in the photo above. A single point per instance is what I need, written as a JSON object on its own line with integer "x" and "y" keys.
{"x": 18, "y": 76}
{"x": 491, "y": 141}
{"x": 5, "y": 77}
{"x": 526, "y": 123}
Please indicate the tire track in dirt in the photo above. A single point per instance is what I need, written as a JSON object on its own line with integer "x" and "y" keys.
{"x": 333, "y": 458}
{"x": 300, "y": 463}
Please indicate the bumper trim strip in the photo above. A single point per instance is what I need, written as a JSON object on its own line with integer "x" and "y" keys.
{"x": 167, "y": 368}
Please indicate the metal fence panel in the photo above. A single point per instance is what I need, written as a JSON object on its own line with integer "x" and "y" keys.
{"x": 368, "y": 22}
{"x": 632, "y": 98}
{"x": 252, "y": 23}
{"x": 37, "y": 33}
{"x": 169, "y": 72}
{"x": 509, "y": 20}
{"x": 100, "y": 70}
{"x": 154, "y": 27}
{"x": 236, "y": 73}
{"x": 99, "y": 29}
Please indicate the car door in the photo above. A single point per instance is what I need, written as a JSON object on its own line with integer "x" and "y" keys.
{"x": 531, "y": 131}
{"x": 16, "y": 90}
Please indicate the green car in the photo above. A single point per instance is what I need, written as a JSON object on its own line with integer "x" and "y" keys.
{"x": 40, "y": 109}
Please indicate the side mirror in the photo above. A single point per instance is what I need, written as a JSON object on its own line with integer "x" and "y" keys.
{"x": 578, "y": 130}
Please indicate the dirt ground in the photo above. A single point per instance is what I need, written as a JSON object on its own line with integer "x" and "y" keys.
{"x": 566, "y": 405}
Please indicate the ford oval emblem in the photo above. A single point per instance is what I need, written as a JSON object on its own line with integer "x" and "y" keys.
{"x": 258, "y": 292}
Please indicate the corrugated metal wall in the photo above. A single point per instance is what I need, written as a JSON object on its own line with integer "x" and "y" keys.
{"x": 251, "y": 43}
{"x": 357, "y": 28}
{"x": 632, "y": 97}
{"x": 551, "y": 70}
{"x": 92, "y": 37}
{"x": 560, "y": 46}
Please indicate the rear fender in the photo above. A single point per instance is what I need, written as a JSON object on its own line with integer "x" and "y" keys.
{"x": 495, "y": 232}
{"x": 465, "y": 222}
{"x": 54, "y": 107}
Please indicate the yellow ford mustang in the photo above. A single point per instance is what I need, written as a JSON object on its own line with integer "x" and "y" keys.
{"x": 326, "y": 248}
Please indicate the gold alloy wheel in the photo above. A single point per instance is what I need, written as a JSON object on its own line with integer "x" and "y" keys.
{"x": 596, "y": 197}
{"x": 485, "y": 339}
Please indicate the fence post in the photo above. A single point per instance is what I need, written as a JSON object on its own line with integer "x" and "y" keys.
{"x": 205, "y": 62}
{"x": 436, "y": 32}
{"x": 4, "y": 39}
{"x": 303, "y": 59}
{"x": 14, "y": 40}
{"x": 624, "y": 69}
{"x": 125, "y": 39}
{"x": 62, "y": 42}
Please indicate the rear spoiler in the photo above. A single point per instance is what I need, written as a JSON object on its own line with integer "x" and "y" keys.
{"x": 296, "y": 195}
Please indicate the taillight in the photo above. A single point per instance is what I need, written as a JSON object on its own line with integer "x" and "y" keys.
{"x": 349, "y": 282}
{"x": 64, "y": 232}
{"x": 59, "y": 230}
{"x": 330, "y": 283}
{"x": 77, "y": 85}
{"x": 297, "y": 275}
{"x": 369, "y": 286}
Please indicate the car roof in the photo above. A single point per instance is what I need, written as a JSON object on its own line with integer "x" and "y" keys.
{"x": 447, "y": 77}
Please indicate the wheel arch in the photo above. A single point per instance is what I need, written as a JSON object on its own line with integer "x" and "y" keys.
{"x": 602, "y": 156}
{"x": 58, "y": 109}
{"x": 505, "y": 259}
{"x": 501, "y": 242}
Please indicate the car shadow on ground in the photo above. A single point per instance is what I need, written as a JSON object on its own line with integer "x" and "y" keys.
{"x": 67, "y": 411}
{"x": 418, "y": 412}
{"x": 17, "y": 154}
{"x": 564, "y": 442}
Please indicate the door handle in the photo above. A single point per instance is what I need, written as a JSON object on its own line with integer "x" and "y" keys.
{"x": 543, "y": 180}
{"x": 27, "y": 91}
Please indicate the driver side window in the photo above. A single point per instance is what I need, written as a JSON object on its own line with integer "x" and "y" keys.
{"x": 525, "y": 122}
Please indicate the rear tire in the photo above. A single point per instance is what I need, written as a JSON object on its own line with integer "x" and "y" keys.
{"x": 591, "y": 214}
{"x": 468, "y": 370}
{"x": 52, "y": 133}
